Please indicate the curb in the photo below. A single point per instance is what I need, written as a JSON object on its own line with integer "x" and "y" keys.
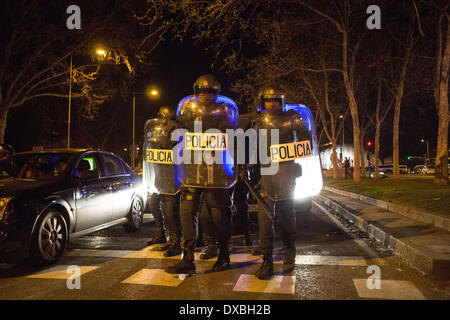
{"x": 413, "y": 257}
{"x": 415, "y": 214}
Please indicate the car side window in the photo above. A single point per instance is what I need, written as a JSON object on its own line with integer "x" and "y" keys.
{"x": 113, "y": 166}
{"x": 87, "y": 167}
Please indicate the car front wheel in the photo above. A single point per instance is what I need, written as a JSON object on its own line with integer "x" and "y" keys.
{"x": 135, "y": 216}
{"x": 49, "y": 238}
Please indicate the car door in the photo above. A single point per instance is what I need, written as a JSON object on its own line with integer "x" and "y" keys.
{"x": 92, "y": 194}
{"x": 121, "y": 185}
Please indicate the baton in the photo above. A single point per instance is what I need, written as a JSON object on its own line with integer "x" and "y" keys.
{"x": 258, "y": 198}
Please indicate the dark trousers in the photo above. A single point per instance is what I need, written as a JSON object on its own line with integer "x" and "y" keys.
{"x": 170, "y": 209}
{"x": 217, "y": 203}
{"x": 156, "y": 211}
{"x": 241, "y": 202}
{"x": 207, "y": 225}
{"x": 285, "y": 210}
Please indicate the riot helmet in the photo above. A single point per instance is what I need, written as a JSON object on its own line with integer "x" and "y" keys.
{"x": 206, "y": 84}
{"x": 271, "y": 99}
{"x": 166, "y": 113}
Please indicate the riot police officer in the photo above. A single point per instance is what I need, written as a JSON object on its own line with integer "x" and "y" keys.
{"x": 210, "y": 183}
{"x": 159, "y": 175}
{"x": 276, "y": 190}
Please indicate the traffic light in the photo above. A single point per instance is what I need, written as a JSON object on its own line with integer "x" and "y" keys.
{"x": 369, "y": 143}
{"x": 409, "y": 158}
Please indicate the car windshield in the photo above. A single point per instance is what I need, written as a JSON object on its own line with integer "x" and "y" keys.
{"x": 34, "y": 166}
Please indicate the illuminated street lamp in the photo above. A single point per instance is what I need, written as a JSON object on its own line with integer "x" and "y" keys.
{"x": 153, "y": 93}
{"x": 100, "y": 52}
{"x": 428, "y": 151}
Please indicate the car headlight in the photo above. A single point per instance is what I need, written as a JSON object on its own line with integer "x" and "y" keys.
{"x": 4, "y": 201}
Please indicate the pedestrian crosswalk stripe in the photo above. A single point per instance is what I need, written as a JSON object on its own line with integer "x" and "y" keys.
{"x": 154, "y": 277}
{"x": 389, "y": 289}
{"x": 147, "y": 253}
{"x": 277, "y": 284}
{"x": 97, "y": 253}
{"x": 329, "y": 260}
{"x": 60, "y": 272}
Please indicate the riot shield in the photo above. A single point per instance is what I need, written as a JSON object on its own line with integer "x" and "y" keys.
{"x": 310, "y": 182}
{"x": 296, "y": 153}
{"x": 158, "y": 168}
{"x": 206, "y": 158}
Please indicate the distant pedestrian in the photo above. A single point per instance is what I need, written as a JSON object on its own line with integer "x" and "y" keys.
{"x": 347, "y": 167}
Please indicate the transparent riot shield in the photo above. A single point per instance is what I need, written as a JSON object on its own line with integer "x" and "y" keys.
{"x": 310, "y": 182}
{"x": 296, "y": 153}
{"x": 206, "y": 158}
{"x": 159, "y": 171}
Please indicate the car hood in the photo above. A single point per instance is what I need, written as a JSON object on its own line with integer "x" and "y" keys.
{"x": 22, "y": 187}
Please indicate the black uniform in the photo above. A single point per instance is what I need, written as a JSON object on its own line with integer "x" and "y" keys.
{"x": 159, "y": 176}
{"x": 276, "y": 189}
{"x": 207, "y": 182}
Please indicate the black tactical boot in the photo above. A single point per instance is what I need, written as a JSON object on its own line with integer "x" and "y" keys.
{"x": 162, "y": 247}
{"x": 223, "y": 262}
{"x": 289, "y": 256}
{"x": 248, "y": 240}
{"x": 158, "y": 239}
{"x": 183, "y": 266}
{"x": 210, "y": 252}
{"x": 265, "y": 272}
{"x": 174, "y": 248}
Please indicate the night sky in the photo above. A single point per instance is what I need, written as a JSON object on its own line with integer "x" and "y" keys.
{"x": 176, "y": 66}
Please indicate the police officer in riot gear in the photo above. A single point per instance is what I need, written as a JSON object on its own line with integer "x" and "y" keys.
{"x": 159, "y": 172}
{"x": 277, "y": 189}
{"x": 210, "y": 184}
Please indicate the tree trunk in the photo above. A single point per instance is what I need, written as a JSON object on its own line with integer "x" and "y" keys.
{"x": 441, "y": 169}
{"x": 395, "y": 134}
{"x": 334, "y": 158}
{"x": 356, "y": 145}
{"x": 3, "y": 117}
{"x": 353, "y": 109}
{"x": 361, "y": 152}
{"x": 377, "y": 148}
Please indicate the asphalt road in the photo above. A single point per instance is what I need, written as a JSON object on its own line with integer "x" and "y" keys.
{"x": 332, "y": 263}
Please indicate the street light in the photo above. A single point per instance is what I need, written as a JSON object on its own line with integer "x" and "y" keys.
{"x": 70, "y": 101}
{"x": 100, "y": 52}
{"x": 153, "y": 93}
{"x": 428, "y": 151}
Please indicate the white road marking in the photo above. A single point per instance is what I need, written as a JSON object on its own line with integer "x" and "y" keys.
{"x": 154, "y": 277}
{"x": 59, "y": 272}
{"x": 97, "y": 253}
{"x": 390, "y": 289}
{"x": 277, "y": 284}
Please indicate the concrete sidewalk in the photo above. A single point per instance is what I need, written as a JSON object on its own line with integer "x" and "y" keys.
{"x": 424, "y": 247}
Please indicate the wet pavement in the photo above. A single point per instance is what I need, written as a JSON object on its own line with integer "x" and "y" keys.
{"x": 332, "y": 263}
